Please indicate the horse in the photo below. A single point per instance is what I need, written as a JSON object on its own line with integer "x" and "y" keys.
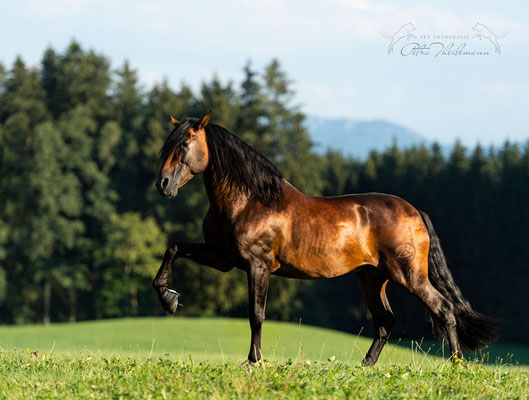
{"x": 260, "y": 223}
{"x": 484, "y": 32}
{"x": 404, "y": 32}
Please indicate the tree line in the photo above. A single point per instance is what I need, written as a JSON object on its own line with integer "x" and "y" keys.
{"x": 83, "y": 231}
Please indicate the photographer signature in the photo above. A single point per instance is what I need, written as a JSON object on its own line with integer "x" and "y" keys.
{"x": 439, "y": 47}
{"x": 436, "y": 49}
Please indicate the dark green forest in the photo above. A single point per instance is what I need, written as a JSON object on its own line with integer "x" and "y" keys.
{"x": 83, "y": 229}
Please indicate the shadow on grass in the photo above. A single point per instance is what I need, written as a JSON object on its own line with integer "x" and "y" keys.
{"x": 493, "y": 354}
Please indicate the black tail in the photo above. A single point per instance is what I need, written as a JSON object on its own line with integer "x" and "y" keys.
{"x": 474, "y": 329}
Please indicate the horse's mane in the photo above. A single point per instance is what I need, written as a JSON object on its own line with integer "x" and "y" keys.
{"x": 234, "y": 164}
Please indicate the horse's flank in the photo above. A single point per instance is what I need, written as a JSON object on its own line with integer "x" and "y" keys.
{"x": 324, "y": 237}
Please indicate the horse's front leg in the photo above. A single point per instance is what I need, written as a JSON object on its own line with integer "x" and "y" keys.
{"x": 168, "y": 297}
{"x": 258, "y": 278}
{"x": 201, "y": 253}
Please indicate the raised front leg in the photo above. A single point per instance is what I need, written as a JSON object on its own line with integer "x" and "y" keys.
{"x": 258, "y": 278}
{"x": 168, "y": 297}
{"x": 199, "y": 252}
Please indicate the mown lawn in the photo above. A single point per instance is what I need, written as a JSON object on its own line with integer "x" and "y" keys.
{"x": 190, "y": 358}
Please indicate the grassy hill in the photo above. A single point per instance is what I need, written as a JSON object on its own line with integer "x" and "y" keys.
{"x": 183, "y": 358}
{"x": 219, "y": 339}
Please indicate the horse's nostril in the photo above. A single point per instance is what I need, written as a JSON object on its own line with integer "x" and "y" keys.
{"x": 165, "y": 182}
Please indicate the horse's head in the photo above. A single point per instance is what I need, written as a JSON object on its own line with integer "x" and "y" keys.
{"x": 184, "y": 154}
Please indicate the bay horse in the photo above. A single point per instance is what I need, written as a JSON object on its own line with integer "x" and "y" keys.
{"x": 260, "y": 223}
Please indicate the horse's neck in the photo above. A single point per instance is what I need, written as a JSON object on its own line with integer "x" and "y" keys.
{"x": 221, "y": 199}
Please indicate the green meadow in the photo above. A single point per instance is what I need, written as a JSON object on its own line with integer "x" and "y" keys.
{"x": 190, "y": 358}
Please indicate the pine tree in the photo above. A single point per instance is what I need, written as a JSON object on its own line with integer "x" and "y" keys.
{"x": 89, "y": 153}
{"x": 77, "y": 78}
{"x": 289, "y": 143}
{"x": 22, "y": 107}
{"x": 220, "y": 97}
{"x": 55, "y": 227}
{"x": 23, "y": 94}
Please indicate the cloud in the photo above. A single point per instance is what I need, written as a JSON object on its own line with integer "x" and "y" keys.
{"x": 348, "y": 92}
{"x": 273, "y": 24}
{"x": 504, "y": 89}
{"x": 63, "y": 8}
{"x": 315, "y": 89}
{"x": 366, "y": 19}
{"x": 354, "y": 4}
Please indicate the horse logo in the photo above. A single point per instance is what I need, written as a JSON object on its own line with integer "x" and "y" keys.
{"x": 485, "y": 33}
{"x": 402, "y": 33}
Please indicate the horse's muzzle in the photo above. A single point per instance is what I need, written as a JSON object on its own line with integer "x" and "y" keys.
{"x": 166, "y": 187}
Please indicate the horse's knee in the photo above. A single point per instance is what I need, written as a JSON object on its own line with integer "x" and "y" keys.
{"x": 446, "y": 312}
{"x": 385, "y": 325}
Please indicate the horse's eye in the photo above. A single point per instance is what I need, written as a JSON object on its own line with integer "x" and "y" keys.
{"x": 183, "y": 145}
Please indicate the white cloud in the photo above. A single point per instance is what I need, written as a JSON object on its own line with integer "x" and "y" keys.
{"x": 274, "y": 24}
{"x": 62, "y": 8}
{"x": 354, "y": 4}
{"x": 315, "y": 89}
{"x": 349, "y": 92}
{"x": 368, "y": 19}
{"x": 504, "y": 89}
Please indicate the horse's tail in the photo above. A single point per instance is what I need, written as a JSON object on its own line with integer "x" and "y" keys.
{"x": 501, "y": 36}
{"x": 474, "y": 329}
{"x": 386, "y": 35}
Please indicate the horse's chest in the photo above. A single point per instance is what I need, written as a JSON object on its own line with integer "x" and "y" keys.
{"x": 217, "y": 231}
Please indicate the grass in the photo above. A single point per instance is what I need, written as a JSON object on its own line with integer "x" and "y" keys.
{"x": 190, "y": 358}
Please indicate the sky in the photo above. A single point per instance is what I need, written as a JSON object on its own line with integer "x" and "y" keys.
{"x": 334, "y": 52}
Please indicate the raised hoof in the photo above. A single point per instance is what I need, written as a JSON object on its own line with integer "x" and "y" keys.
{"x": 169, "y": 300}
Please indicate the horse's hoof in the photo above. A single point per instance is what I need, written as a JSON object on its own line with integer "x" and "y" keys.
{"x": 251, "y": 364}
{"x": 169, "y": 300}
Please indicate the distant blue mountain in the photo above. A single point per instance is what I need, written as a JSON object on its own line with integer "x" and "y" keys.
{"x": 358, "y": 138}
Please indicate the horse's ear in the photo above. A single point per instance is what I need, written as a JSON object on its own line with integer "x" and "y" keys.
{"x": 174, "y": 121}
{"x": 205, "y": 120}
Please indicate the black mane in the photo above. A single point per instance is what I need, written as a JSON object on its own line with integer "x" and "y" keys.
{"x": 234, "y": 164}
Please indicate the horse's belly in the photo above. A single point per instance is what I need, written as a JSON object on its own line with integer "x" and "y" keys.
{"x": 319, "y": 263}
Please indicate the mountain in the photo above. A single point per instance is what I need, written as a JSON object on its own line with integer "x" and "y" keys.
{"x": 358, "y": 138}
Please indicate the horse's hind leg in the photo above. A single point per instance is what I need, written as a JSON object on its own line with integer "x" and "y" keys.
{"x": 373, "y": 285}
{"x": 413, "y": 275}
{"x": 443, "y": 310}
{"x": 258, "y": 280}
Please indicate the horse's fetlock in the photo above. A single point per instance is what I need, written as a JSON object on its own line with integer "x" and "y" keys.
{"x": 159, "y": 286}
